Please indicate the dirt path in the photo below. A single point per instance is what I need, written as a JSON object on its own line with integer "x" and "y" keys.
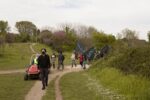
{"x": 36, "y": 92}
{"x": 31, "y": 47}
{"x": 13, "y": 71}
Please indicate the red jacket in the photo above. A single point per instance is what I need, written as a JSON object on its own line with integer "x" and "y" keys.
{"x": 81, "y": 58}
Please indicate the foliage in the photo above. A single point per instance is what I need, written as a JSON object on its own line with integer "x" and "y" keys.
{"x": 100, "y": 39}
{"x": 45, "y": 37}
{"x": 134, "y": 60}
{"x": 132, "y": 87}
{"x": 129, "y": 34}
{"x": 148, "y": 35}
{"x": 10, "y": 38}
{"x": 64, "y": 40}
{"x": 26, "y": 29}
{"x": 3, "y": 27}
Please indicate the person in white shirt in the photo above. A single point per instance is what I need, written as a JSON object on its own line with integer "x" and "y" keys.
{"x": 73, "y": 59}
{"x": 53, "y": 60}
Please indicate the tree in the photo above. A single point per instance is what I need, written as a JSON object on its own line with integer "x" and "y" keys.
{"x": 148, "y": 34}
{"x": 91, "y": 30}
{"x": 26, "y": 29}
{"x": 101, "y": 39}
{"x": 129, "y": 34}
{"x": 2, "y": 41}
{"x": 3, "y": 27}
{"x": 45, "y": 37}
{"x": 81, "y": 30}
{"x": 10, "y": 37}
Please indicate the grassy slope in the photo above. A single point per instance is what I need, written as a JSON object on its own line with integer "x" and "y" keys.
{"x": 131, "y": 86}
{"x": 18, "y": 55}
{"x": 50, "y": 94}
{"x": 15, "y": 56}
{"x": 12, "y": 87}
{"x": 67, "y": 55}
{"x": 38, "y": 48}
{"x": 74, "y": 87}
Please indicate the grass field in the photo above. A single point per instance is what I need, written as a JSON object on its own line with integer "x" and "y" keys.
{"x": 15, "y": 56}
{"x": 13, "y": 87}
{"x": 67, "y": 55}
{"x": 50, "y": 94}
{"x": 74, "y": 86}
{"x": 131, "y": 86}
{"x": 37, "y": 47}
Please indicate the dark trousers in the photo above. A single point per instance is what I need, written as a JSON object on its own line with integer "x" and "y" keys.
{"x": 81, "y": 63}
{"x": 60, "y": 63}
{"x": 44, "y": 76}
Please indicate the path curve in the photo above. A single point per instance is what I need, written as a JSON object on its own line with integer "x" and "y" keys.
{"x": 57, "y": 81}
{"x": 36, "y": 92}
{"x": 13, "y": 71}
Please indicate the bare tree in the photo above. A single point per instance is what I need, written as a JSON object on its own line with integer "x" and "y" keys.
{"x": 129, "y": 34}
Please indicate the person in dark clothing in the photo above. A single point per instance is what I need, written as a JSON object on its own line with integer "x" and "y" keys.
{"x": 44, "y": 65}
{"x": 84, "y": 61}
{"x": 60, "y": 60}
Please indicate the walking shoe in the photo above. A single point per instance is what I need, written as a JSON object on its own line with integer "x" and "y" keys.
{"x": 46, "y": 84}
{"x": 43, "y": 88}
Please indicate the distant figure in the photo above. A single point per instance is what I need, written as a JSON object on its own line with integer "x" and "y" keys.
{"x": 84, "y": 61}
{"x": 61, "y": 59}
{"x": 73, "y": 59}
{"x": 81, "y": 59}
{"x": 44, "y": 65}
{"x": 53, "y": 60}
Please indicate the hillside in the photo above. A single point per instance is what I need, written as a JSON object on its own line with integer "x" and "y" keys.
{"x": 17, "y": 55}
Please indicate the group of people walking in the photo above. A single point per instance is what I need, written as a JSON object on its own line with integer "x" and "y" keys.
{"x": 82, "y": 59}
{"x": 44, "y": 63}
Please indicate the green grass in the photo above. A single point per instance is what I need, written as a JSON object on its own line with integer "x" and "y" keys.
{"x": 67, "y": 55}
{"x": 38, "y": 48}
{"x": 131, "y": 86}
{"x": 50, "y": 94}
{"x": 15, "y": 56}
{"x": 74, "y": 87}
{"x": 13, "y": 87}
{"x": 67, "y": 58}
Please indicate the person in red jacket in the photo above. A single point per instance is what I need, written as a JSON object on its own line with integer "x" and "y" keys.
{"x": 81, "y": 58}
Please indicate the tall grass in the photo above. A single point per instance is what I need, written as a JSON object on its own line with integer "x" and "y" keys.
{"x": 15, "y": 56}
{"x": 12, "y": 87}
{"x": 50, "y": 94}
{"x": 131, "y": 86}
{"x": 74, "y": 87}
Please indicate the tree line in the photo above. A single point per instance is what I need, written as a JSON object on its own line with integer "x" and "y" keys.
{"x": 63, "y": 37}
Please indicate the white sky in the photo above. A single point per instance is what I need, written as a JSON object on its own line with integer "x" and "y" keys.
{"x": 111, "y": 16}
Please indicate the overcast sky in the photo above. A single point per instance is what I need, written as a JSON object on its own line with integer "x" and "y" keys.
{"x": 111, "y": 16}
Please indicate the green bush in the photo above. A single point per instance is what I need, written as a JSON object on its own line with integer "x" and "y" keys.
{"x": 134, "y": 60}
